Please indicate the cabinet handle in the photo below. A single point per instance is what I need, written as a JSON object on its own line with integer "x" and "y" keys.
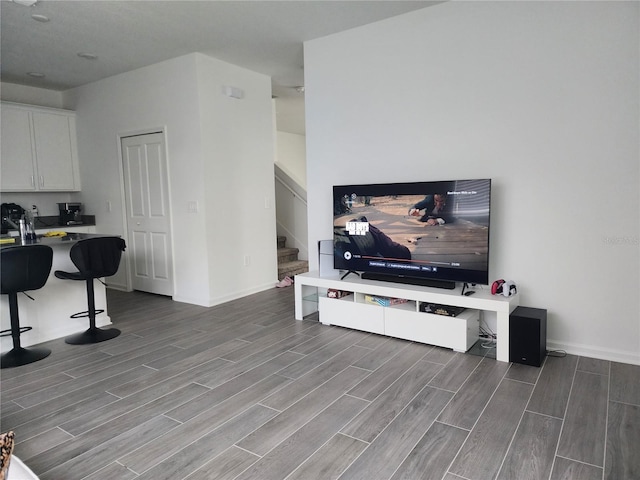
{"x": 33, "y": 181}
{"x": 41, "y": 181}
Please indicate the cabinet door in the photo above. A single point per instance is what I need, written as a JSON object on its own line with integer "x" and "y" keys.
{"x": 17, "y": 155}
{"x": 54, "y": 151}
{"x": 458, "y": 333}
{"x": 347, "y": 313}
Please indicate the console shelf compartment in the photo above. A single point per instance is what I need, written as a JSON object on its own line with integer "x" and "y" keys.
{"x": 405, "y": 320}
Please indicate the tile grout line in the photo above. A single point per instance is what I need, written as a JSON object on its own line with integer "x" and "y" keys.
{"x": 513, "y": 436}
{"x": 479, "y": 415}
{"x": 606, "y": 425}
{"x": 564, "y": 418}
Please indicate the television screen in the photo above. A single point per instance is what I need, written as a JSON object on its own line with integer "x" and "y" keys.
{"x": 426, "y": 233}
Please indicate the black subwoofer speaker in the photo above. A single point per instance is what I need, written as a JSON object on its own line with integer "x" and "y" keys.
{"x": 528, "y": 336}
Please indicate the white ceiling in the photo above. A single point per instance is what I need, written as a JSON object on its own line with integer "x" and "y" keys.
{"x": 263, "y": 36}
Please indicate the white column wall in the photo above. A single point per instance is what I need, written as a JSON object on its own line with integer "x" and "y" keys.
{"x": 239, "y": 195}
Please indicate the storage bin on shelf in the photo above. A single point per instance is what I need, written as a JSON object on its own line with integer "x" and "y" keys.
{"x": 335, "y": 293}
{"x": 384, "y": 301}
{"x": 438, "y": 309}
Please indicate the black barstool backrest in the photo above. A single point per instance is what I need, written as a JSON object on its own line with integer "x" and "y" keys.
{"x": 25, "y": 267}
{"x": 97, "y": 257}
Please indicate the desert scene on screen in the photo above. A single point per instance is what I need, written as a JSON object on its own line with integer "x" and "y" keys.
{"x": 461, "y": 242}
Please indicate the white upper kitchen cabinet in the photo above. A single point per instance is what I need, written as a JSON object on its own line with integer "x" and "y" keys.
{"x": 39, "y": 149}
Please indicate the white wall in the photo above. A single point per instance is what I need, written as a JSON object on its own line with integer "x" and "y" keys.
{"x": 177, "y": 96}
{"x": 237, "y": 140}
{"x": 543, "y": 98}
{"x": 11, "y": 92}
{"x": 291, "y": 156}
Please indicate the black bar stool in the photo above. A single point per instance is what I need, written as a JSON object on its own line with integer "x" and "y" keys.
{"x": 23, "y": 268}
{"x": 94, "y": 258}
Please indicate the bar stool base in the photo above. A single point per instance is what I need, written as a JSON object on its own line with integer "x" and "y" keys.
{"x": 23, "y": 356}
{"x": 93, "y": 335}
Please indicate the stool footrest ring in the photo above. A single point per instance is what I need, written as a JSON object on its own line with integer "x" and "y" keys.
{"x": 6, "y": 333}
{"x": 85, "y": 314}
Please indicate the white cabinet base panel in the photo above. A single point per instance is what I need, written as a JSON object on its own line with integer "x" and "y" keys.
{"x": 346, "y": 313}
{"x": 458, "y": 333}
{"x": 405, "y": 320}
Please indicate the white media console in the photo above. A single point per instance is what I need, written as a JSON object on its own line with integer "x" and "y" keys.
{"x": 404, "y": 320}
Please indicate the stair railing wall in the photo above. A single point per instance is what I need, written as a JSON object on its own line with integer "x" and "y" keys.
{"x": 291, "y": 212}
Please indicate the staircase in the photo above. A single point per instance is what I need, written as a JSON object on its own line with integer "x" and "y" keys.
{"x": 288, "y": 263}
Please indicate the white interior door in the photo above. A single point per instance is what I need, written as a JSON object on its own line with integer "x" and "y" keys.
{"x": 148, "y": 220}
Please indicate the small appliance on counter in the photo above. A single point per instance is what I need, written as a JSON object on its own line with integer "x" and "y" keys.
{"x": 11, "y": 215}
{"x": 70, "y": 213}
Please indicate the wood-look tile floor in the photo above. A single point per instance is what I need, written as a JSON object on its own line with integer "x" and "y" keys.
{"x": 244, "y": 391}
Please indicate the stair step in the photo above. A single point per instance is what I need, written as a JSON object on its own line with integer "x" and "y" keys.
{"x": 287, "y": 254}
{"x": 288, "y": 263}
{"x": 290, "y": 269}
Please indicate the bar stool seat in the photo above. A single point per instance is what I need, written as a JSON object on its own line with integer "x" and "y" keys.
{"x": 23, "y": 268}
{"x": 94, "y": 258}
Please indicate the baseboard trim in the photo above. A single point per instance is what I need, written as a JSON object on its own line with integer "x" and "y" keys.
{"x": 595, "y": 352}
{"x": 212, "y": 302}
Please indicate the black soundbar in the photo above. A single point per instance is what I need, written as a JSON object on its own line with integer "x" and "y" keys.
{"x": 422, "y": 282}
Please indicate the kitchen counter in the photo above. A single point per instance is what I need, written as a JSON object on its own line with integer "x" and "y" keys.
{"x": 53, "y": 304}
{"x": 46, "y": 224}
{"x": 54, "y": 222}
{"x": 69, "y": 239}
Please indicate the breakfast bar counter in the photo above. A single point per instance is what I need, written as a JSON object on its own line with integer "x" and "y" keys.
{"x": 48, "y": 314}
